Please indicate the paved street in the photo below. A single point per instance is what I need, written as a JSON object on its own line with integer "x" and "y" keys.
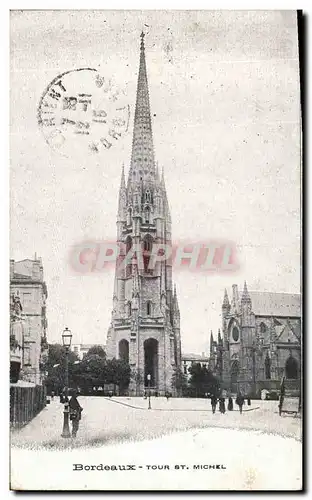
{"x": 116, "y": 420}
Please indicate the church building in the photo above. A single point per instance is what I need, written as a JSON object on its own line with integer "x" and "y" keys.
{"x": 260, "y": 341}
{"x": 145, "y": 324}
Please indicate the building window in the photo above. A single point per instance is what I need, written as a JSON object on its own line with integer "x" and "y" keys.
{"x": 263, "y": 328}
{"x": 185, "y": 370}
{"x": 291, "y": 368}
{"x": 147, "y": 195}
{"x": 129, "y": 308}
{"x": 148, "y": 308}
{"x": 128, "y": 249}
{"x": 235, "y": 334}
{"x": 147, "y": 248}
{"x": 129, "y": 216}
{"x": 27, "y": 358}
{"x": 147, "y": 215}
{"x": 267, "y": 364}
{"x": 26, "y": 299}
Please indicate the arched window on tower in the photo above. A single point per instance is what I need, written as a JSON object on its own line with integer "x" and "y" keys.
{"x": 263, "y": 328}
{"x": 129, "y": 310}
{"x": 267, "y": 365}
{"x": 148, "y": 196}
{"x": 128, "y": 249}
{"x": 149, "y": 308}
{"x": 147, "y": 248}
{"x": 147, "y": 214}
{"x": 129, "y": 216}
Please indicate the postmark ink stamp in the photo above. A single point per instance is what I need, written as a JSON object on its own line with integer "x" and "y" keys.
{"x": 82, "y": 110}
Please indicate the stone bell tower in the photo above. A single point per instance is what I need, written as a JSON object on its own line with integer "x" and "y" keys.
{"x": 145, "y": 325}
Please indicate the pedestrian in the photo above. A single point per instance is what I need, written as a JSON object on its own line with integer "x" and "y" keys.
{"x": 52, "y": 395}
{"x": 222, "y": 405}
{"x": 213, "y": 401}
{"x": 240, "y": 401}
{"x": 74, "y": 412}
{"x": 230, "y": 404}
{"x": 249, "y": 401}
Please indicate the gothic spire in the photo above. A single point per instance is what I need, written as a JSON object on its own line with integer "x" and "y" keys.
{"x": 122, "y": 196}
{"x": 245, "y": 295}
{"x": 211, "y": 341}
{"x": 142, "y": 158}
{"x": 175, "y": 300}
{"x": 219, "y": 337}
{"x": 226, "y": 302}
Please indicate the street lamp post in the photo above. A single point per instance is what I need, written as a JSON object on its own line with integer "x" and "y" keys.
{"x": 67, "y": 338}
{"x": 149, "y": 390}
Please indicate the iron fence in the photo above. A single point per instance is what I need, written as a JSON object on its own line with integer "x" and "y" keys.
{"x": 26, "y": 403}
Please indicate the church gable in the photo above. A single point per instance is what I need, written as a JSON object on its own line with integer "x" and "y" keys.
{"x": 287, "y": 335}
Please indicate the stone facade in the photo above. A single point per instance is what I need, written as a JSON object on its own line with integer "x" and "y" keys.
{"x": 261, "y": 341}
{"x": 145, "y": 325}
{"x": 27, "y": 283}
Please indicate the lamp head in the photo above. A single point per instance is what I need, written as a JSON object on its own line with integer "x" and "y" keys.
{"x": 67, "y": 337}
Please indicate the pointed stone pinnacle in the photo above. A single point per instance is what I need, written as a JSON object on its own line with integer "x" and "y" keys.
{"x": 226, "y": 298}
{"x": 245, "y": 295}
{"x": 142, "y": 158}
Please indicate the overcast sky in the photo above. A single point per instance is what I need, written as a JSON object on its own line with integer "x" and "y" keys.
{"x": 224, "y": 94}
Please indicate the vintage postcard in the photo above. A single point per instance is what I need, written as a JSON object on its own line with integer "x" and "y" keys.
{"x": 155, "y": 250}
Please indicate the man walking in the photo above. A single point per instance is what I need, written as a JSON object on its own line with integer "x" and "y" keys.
{"x": 222, "y": 405}
{"x": 240, "y": 401}
{"x": 230, "y": 404}
{"x": 74, "y": 413}
{"x": 213, "y": 401}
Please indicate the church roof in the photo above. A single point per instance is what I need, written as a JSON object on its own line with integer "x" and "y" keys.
{"x": 276, "y": 304}
{"x": 21, "y": 276}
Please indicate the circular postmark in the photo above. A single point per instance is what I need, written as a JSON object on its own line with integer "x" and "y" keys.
{"x": 82, "y": 110}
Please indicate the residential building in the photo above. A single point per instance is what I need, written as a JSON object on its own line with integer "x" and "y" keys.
{"x": 28, "y": 295}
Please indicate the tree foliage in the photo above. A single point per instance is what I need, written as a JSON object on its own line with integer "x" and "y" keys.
{"x": 96, "y": 349}
{"x": 54, "y": 366}
{"x": 203, "y": 381}
{"x": 179, "y": 382}
{"x": 93, "y": 371}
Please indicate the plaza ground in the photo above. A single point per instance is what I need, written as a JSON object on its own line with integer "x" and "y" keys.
{"x": 116, "y": 420}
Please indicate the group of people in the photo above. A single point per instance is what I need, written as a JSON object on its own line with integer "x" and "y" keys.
{"x": 240, "y": 401}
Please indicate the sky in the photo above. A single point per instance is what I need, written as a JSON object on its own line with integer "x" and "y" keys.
{"x": 225, "y": 104}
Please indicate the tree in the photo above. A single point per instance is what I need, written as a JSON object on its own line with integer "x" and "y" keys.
{"x": 118, "y": 373}
{"x": 138, "y": 377}
{"x": 91, "y": 372}
{"x": 179, "y": 382}
{"x": 96, "y": 349}
{"x": 54, "y": 364}
{"x": 203, "y": 381}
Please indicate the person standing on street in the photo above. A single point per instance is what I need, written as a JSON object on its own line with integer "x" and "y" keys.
{"x": 222, "y": 405}
{"x": 230, "y": 404}
{"x": 240, "y": 401}
{"x": 74, "y": 413}
{"x": 213, "y": 401}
